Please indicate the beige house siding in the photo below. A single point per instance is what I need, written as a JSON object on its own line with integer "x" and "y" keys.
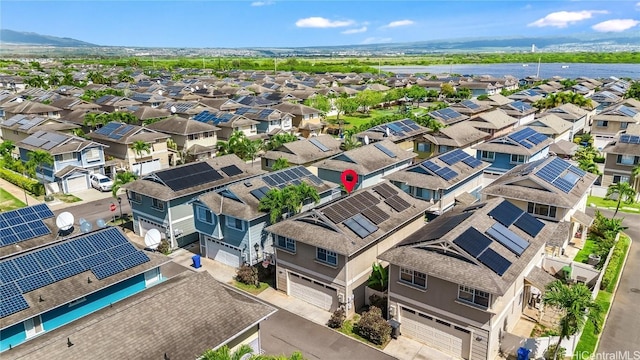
{"x": 449, "y": 199}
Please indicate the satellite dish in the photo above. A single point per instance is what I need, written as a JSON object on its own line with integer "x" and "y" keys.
{"x": 366, "y": 140}
{"x": 152, "y": 239}
{"x": 160, "y": 92}
{"x": 101, "y": 223}
{"x": 85, "y": 227}
{"x": 158, "y": 81}
{"x": 204, "y": 86}
{"x": 388, "y": 132}
{"x": 173, "y": 109}
{"x": 197, "y": 87}
{"x": 64, "y": 221}
{"x": 82, "y": 221}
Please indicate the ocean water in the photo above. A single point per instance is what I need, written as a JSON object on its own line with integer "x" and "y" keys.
{"x": 519, "y": 70}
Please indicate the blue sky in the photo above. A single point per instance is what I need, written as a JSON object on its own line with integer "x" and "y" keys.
{"x": 289, "y": 23}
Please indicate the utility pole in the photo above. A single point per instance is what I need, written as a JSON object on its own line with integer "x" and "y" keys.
{"x": 275, "y": 66}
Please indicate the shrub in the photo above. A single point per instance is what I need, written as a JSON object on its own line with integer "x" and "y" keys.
{"x": 248, "y": 275}
{"x": 31, "y": 185}
{"x": 164, "y": 247}
{"x": 610, "y": 272}
{"x": 380, "y": 303}
{"x": 548, "y": 355}
{"x": 373, "y": 327}
{"x": 337, "y": 318}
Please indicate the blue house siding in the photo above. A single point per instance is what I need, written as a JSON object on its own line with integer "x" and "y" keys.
{"x": 12, "y": 335}
{"x": 502, "y": 162}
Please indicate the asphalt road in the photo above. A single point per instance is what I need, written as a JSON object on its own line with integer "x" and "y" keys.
{"x": 284, "y": 332}
{"x": 97, "y": 209}
{"x": 622, "y": 330}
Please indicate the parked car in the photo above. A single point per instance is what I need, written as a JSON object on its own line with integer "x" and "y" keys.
{"x": 101, "y": 182}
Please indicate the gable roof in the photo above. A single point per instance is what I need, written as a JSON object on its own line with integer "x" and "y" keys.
{"x": 367, "y": 159}
{"x": 496, "y": 120}
{"x": 399, "y": 130}
{"x": 56, "y": 143}
{"x": 122, "y": 133}
{"x": 181, "y": 126}
{"x": 296, "y": 109}
{"x": 306, "y": 151}
{"x": 626, "y": 144}
{"x": 550, "y": 124}
{"x": 568, "y": 112}
{"x": 517, "y": 143}
{"x": 457, "y": 135}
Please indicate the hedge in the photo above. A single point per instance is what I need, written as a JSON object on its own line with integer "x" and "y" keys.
{"x": 32, "y": 186}
{"x": 613, "y": 270}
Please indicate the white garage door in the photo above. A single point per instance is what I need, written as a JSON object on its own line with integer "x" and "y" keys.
{"x": 224, "y": 253}
{"x": 146, "y": 225}
{"x": 77, "y": 184}
{"x": 312, "y": 292}
{"x": 147, "y": 166}
{"x": 438, "y": 334}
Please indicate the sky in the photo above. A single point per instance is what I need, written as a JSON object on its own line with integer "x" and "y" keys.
{"x": 302, "y": 23}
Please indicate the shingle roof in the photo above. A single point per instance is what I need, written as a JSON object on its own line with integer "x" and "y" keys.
{"x": 457, "y": 135}
{"x": 181, "y": 126}
{"x": 304, "y": 151}
{"x": 367, "y": 159}
{"x": 496, "y": 119}
{"x": 506, "y": 145}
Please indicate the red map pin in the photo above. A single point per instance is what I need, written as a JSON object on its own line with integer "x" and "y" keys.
{"x": 349, "y": 179}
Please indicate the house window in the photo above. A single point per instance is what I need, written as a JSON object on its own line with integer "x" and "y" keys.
{"x": 488, "y": 155}
{"x": 234, "y": 223}
{"x": 413, "y": 277}
{"x": 473, "y": 296}
{"x": 423, "y": 147}
{"x": 518, "y": 159}
{"x": 443, "y": 149}
{"x": 286, "y": 243}
{"x": 33, "y": 326}
{"x": 193, "y": 136}
{"x": 542, "y": 210}
{"x": 157, "y": 204}
{"x": 66, "y": 157}
{"x": 135, "y": 197}
{"x": 92, "y": 155}
{"x": 627, "y": 160}
{"x": 623, "y": 125}
{"x": 601, "y": 123}
{"x": 419, "y": 192}
{"x": 327, "y": 256}
{"x": 620, "y": 178}
{"x": 205, "y": 215}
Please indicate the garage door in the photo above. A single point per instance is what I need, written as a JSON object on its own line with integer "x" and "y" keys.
{"x": 224, "y": 253}
{"x": 313, "y": 292}
{"x": 435, "y": 333}
{"x": 146, "y": 225}
{"x": 77, "y": 184}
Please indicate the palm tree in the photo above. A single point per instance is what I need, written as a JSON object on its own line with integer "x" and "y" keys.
{"x": 281, "y": 163}
{"x": 624, "y": 191}
{"x": 6, "y": 148}
{"x": 589, "y": 166}
{"x": 350, "y": 142}
{"x": 138, "y": 148}
{"x": 251, "y": 148}
{"x": 120, "y": 180}
{"x": 288, "y": 200}
{"x": 38, "y": 159}
{"x": 572, "y": 301}
{"x": 306, "y": 192}
{"x": 273, "y": 202}
{"x": 224, "y": 148}
{"x": 224, "y": 353}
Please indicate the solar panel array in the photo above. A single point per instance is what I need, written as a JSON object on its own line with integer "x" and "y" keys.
{"x": 319, "y": 145}
{"x": 105, "y": 253}
{"x": 627, "y": 111}
{"x": 215, "y": 118}
{"x": 469, "y": 104}
{"x": 260, "y": 192}
{"x": 386, "y": 151}
{"x": 355, "y": 204}
{"x": 473, "y": 242}
{"x": 454, "y": 156}
{"x": 446, "y": 114}
{"x": 385, "y": 190}
{"x": 508, "y": 238}
{"x": 187, "y": 176}
{"x": 26, "y": 122}
{"x": 397, "y": 203}
{"x": 24, "y": 224}
{"x": 114, "y": 130}
{"x": 527, "y": 137}
{"x": 630, "y": 139}
{"x": 507, "y": 214}
{"x": 444, "y": 172}
{"x": 398, "y": 128}
{"x": 560, "y": 174}
{"x": 290, "y": 176}
{"x": 231, "y": 170}
{"x": 360, "y": 225}
{"x": 521, "y": 106}
{"x": 255, "y": 113}
{"x": 494, "y": 261}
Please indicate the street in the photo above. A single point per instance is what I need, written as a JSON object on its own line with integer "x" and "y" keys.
{"x": 97, "y": 209}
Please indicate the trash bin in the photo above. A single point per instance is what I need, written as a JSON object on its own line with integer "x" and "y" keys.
{"x": 196, "y": 261}
{"x": 395, "y": 328}
{"x": 523, "y": 353}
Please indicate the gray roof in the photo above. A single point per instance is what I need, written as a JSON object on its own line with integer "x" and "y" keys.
{"x": 563, "y": 147}
{"x": 539, "y": 278}
{"x": 431, "y": 250}
{"x": 561, "y": 234}
{"x": 56, "y": 143}
{"x": 153, "y": 188}
{"x": 367, "y": 159}
{"x": 457, "y": 135}
{"x": 496, "y": 119}
{"x": 181, "y": 317}
{"x": 379, "y": 132}
{"x": 506, "y": 145}
{"x": 181, "y": 126}
{"x": 304, "y": 151}
{"x": 134, "y": 134}
{"x": 618, "y": 147}
{"x": 524, "y": 183}
{"x": 316, "y": 228}
{"x": 550, "y": 124}
{"x": 568, "y": 112}
{"x": 295, "y": 109}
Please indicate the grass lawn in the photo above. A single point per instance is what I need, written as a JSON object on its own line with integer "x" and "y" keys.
{"x": 347, "y": 329}
{"x": 252, "y": 289}
{"x": 589, "y": 248}
{"x": 9, "y": 202}
{"x": 357, "y": 119}
{"x": 611, "y": 204}
{"x": 588, "y": 340}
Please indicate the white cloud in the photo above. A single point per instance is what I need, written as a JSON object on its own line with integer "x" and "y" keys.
{"x": 615, "y": 25}
{"x": 638, "y": 6}
{"x": 320, "y": 22}
{"x": 562, "y": 19}
{"x": 262, "y": 3}
{"x": 398, "y": 23}
{"x": 375, "y": 40}
{"x": 355, "y": 31}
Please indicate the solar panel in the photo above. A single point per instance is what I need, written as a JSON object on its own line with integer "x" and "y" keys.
{"x": 529, "y": 224}
{"x": 494, "y": 261}
{"x": 9, "y": 290}
{"x": 259, "y": 193}
{"x": 13, "y": 305}
{"x": 472, "y": 241}
{"x": 269, "y": 180}
{"x": 537, "y": 138}
{"x": 508, "y": 238}
{"x": 470, "y": 104}
{"x": 382, "y": 148}
{"x": 376, "y": 215}
{"x": 134, "y": 259}
{"x": 630, "y": 139}
{"x": 319, "y": 145}
{"x": 188, "y": 176}
{"x": 560, "y": 174}
{"x": 96, "y": 259}
{"x": 385, "y": 190}
{"x": 357, "y": 228}
{"x": 522, "y": 134}
{"x": 453, "y": 156}
{"x": 34, "y": 281}
{"x": 471, "y": 161}
{"x": 627, "y": 111}
{"x": 520, "y": 106}
{"x": 231, "y": 170}
{"x": 316, "y": 180}
{"x": 397, "y": 203}
{"x": 365, "y": 223}
{"x": 9, "y": 271}
{"x": 506, "y": 213}
{"x": 411, "y": 124}
{"x": 67, "y": 270}
{"x": 47, "y": 258}
{"x": 119, "y": 251}
{"x": 446, "y": 173}
{"x": 430, "y": 166}
{"x": 27, "y": 264}
{"x": 110, "y": 268}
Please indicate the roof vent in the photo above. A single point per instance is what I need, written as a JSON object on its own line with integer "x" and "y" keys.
{"x": 247, "y": 184}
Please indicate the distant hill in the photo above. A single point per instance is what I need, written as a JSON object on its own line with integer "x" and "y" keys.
{"x": 30, "y": 38}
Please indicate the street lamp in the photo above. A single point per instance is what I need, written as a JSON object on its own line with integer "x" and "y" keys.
{"x": 120, "y": 205}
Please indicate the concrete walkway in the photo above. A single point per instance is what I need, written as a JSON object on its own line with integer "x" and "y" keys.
{"x": 18, "y": 192}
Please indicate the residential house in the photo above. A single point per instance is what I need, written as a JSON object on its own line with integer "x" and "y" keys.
{"x": 229, "y": 224}
{"x": 19, "y": 127}
{"x": 524, "y": 112}
{"x": 227, "y": 105}
{"x": 270, "y": 121}
{"x": 186, "y": 109}
{"x": 74, "y": 158}
{"x": 195, "y": 140}
{"x": 371, "y": 162}
{"x": 550, "y": 189}
{"x": 306, "y": 119}
{"x": 578, "y": 117}
{"x": 149, "y": 99}
{"x": 611, "y": 122}
{"x": 553, "y": 126}
{"x": 496, "y": 100}
{"x": 519, "y": 147}
{"x": 111, "y": 103}
{"x": 229, "y": 123}
{"x": 457, "y": 136}
{"x": 443, "y": 180}
{"x": 448, "y": 116}
{"x": 303, "y": 152}
{"x": 324, "y": 255}
{"x": 621, "y": 156}
{"x": 120, "y": 137}
{"x": 27, "y": 107}
{"x": 478, "y": 88}
{"x": 68, "y": 104}
{"x": 406, "y": 133}
{"x": 606, "y": 99}
{"x": 160, "y": 200}
{"x": 458, "y": 283}
{"x": 471, "y": 108}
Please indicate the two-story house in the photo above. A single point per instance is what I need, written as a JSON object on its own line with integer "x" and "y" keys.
{"x": 160, "y": 200}
{"x": 448, "y": 116}
{"x": 553, "y": 126}
{"x": 496, "y": 123}
{"x": 575, "y": 115}
{"x": 228, "y": 123}
{"x": 606, "y": 99}
{"x": 324, "y": 255}
{"x": 441, "y": 180}
{"x": 306, "y": 119}
{"x": 303, "y": 152}
{"x": 270, "y": 121}
{"x": 19, "y": 127}
{"x": 404, "y": 133}
{"x": 371, "y": 162}
{"x": 74, "y": 158}
{"x": 111, "y": 103}
{"x": 550, "y": 189}
{"x": 520, "y": 110}
{"x": 471, "y": 108}
{"x": 621, "y": 157}
{"x": 195, "y": 139}
{"x": 519, "y": 147}
{"x": 229, "y": 224}
{"x": 457, "y": 136}
{"x": 611, "y": 122}
{"x": 27, "y": 107}
{"x": 120, "y": 137}
{"x": 458, "y": 283}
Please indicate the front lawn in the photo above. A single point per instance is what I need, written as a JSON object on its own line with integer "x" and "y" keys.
{"x": 251, "y": 289}
{"x": 357, "y": 119}
{"x": 588, "y": 340}
{"x": 589, "y": 248}
{"x": 611, "y": 204}
{"x": 9, "y": 202}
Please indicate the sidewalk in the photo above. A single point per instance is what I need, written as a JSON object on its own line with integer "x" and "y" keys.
{"x": 18, "y": 192}
{"x": 87, "y": 195}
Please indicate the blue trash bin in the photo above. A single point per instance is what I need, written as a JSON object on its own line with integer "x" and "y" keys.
{"x": 523, "y": 353}
{"x": 196, "y": 261}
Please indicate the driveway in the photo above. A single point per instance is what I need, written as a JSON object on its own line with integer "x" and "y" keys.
{"x": 622, "y": 330}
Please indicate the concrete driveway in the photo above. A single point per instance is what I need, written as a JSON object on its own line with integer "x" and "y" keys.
{"x": 622, "y": 330}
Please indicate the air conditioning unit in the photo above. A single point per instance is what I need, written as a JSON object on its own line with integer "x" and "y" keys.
{"x": 341, "y": 298}
{"x": 392, "y": 310}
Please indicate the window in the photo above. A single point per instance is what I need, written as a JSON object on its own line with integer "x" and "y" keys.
{"x": 327, "y": 256}
{"x": 473, "y": 296}
{"x": 601, "y": 123}
{"x": 135, "y": 197}
{"x": 193, "y": 136}
{"x": 488, "y": 155}
{"x": 66, "y": 157}
{"x": 542, "y": 210}
{"x": 518, "y": 159}
{"x": 92, "y": 155}
{"x": 286, "y": 243}
{"x": 623, "y": 125}
{"x": 413, "y": 277}
{"x": 33, "y": 326}
{"x": 628, "y": 160}
{"x": 205, "y": 215}
{"x": 157, "y": 204}
{"x": 620, "y": 178}
{"x": 423, "y": 147}
{"x": 234, "y": 223}
{"x": 443, "y": 149}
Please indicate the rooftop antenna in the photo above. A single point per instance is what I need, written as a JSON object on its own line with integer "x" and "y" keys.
{"x": 152, "y": 239}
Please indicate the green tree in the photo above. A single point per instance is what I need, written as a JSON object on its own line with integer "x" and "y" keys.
{"x": 635, "y": 176}
{"x": 120, "y": 180}
{"x": 350, "y": 142}
{"x": 138, "y": 147}
{"x": 36, "y": 81}
{"x": 281, "y": 163}
{"x": 288, "y": 200}
{"x": 367, "y": 99}
{"x": 589, "y": 165}
{"x": 251, "y": 148}
{"x": 417, "y": 93}
{"x": 346, "y": 106}
{"x": 447, "y": 90}
{"x": 624, "y": 192}
{"x": 319, "y": 102}
{"x": 224, "y": 353}
{"x": 277, "y": 140}
{"x": 572, "y": 301}
{"x": 38, "y": 159}
{"x": 634, "y": 91}
{"x": 6, "y": 148}
{"x": 379, "y": 277}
